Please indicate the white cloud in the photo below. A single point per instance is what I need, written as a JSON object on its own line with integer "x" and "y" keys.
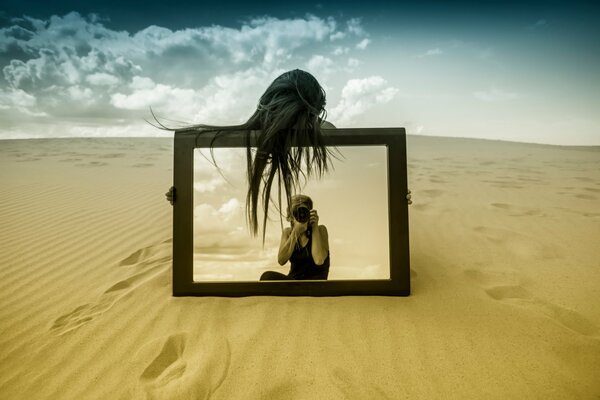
{"x": 432, "y": 52}
{"x": 146, "y": 93}
{"x": 353, "y": 62}
{"x": 76, "y": 67}
{"x": 319, "y": 64}
{"x": 495, "y": 94}
{"x": 337, "y": 35}
{"x": 102, "y": 79}
{"x": 354, "y": 27}
{"x": 16, "y": 98}
{"x": 226, "y": 218}
{"x": 230, "y": 209}
{"x": 81, "y": 94}
{"x": 363, "y": 44}
{"x": 204, "y": 186}
{"x": 220, "y": 235}
{"x": 359, "y": 95}
{"x": 19, "y": 100}
{"x": 234, "y": 96}
{"x": 340, "y": 50}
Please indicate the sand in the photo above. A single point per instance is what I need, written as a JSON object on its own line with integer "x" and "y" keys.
{"x": 505, "y": 273}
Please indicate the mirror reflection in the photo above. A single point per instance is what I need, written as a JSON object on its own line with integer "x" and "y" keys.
{"x": 336, "y": 227}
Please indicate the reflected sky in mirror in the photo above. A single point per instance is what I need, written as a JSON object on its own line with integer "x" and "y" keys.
{"x": 351, "y": 200}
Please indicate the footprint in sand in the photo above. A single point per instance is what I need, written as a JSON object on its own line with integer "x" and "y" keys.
{"x": 182, "y": 365}
{"x": 149, "y": 254}
{"x": 509, "y": 289}
{"x": 149, "y": 263}
{"x": 168, "y": 364}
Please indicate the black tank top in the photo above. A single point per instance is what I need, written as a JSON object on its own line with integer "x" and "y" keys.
{"x": 304, "y": 267}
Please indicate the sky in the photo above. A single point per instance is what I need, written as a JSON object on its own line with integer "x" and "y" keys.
{"x": 519, "y": 71}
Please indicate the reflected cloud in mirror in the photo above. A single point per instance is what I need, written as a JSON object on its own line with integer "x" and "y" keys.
{"x": 351, "y": 202}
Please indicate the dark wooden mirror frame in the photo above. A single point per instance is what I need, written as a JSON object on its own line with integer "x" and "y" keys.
{"x": 183, "y": 173}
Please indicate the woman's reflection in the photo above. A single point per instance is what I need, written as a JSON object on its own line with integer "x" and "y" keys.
{"x": 305, "y": 244}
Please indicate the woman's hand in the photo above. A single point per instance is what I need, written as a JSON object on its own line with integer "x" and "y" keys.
{"x": 299, "y": 228}
{"x": 314, "y": 219}
{"x": 171, "y": 195}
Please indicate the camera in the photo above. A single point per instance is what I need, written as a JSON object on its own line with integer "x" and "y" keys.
{"x": 302, "y": 214}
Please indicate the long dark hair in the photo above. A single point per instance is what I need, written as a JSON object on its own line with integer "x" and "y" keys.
{"x": 290, "y": 111}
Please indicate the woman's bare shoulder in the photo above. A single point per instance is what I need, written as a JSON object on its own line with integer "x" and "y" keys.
{"x": 327, "y": 125}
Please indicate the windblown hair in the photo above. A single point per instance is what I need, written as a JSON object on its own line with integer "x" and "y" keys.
{"x": 289, "y": 112}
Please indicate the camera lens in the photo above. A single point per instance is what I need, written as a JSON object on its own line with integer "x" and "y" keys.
{"x": 302, "y": 214}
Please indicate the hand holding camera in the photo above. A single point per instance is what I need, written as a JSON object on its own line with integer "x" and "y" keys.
{"x": 300, "y": 228}
{"x": 305, "y": 218}
{"x": 313, "y": 221}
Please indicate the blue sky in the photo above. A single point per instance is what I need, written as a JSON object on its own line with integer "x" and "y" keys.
{"x": 496, "y": 70}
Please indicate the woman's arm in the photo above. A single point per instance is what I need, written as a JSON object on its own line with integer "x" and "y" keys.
{"x": 320, "y": 244}
{"x": 286, "y": 247}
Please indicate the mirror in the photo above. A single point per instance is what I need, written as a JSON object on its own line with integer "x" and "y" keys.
{"x": 362, "y": 202}
{"x": 351, "y": 201}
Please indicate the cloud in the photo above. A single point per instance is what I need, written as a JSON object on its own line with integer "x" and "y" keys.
{"x": 231, "y": 172}
{"x": 353, "y": 62}
{"x": 495, "y": 94}
{"x": 432, "y": 52}
{"x": 340, "y": 50}
{"x": 18, "y": 99}
{"x": 337, "y": 35}
{"x": 102, "y": 79}
{"x": 207, "y": 185}
{"x": 145, "y": 93}
{"x": 354, "y": 26}
{"x": 73, "y": 68}
{"x": 359, "y": 95}
{"x": 363, "y": 44}
{"x": 233, "y": 97}
{"x": 319, "y": 64}
{"x": 222, "y": 219}
{"x": 221, "y": 238}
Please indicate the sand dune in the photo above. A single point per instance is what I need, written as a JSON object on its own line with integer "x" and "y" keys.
{"x": 505, "y": 274}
